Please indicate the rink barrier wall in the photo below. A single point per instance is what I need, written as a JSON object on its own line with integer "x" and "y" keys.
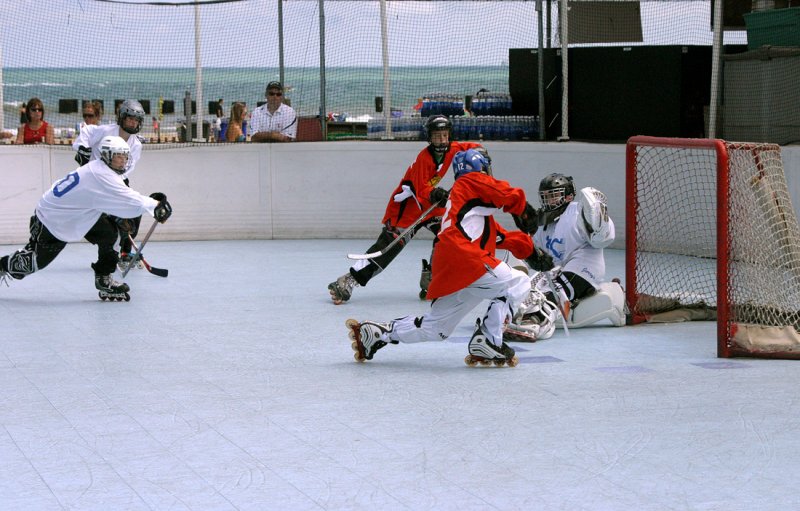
{"x": 307, "y": 190}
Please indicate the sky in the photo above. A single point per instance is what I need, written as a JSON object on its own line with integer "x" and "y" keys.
{"x": 81, "y": 33}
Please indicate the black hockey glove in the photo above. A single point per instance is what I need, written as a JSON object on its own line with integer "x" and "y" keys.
{"x": 528, "y": 221}
{"x": 439, "y": 196}
{"x": 83, "y": 155}
{"x": 163, "y": 211}
{"x": 540, "y": 260}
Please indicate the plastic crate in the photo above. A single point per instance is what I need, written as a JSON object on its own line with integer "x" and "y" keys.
{"x": 775, "y": 27}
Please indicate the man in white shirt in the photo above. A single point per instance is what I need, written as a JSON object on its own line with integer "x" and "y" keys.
{"x": 274, "y": 121}
{"x": 78, "y": 207}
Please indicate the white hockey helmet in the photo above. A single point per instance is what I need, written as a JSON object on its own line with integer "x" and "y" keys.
{"x": 111, "y": 146}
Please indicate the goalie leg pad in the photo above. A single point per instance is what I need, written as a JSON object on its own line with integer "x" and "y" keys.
{"x": 607, "y": 303}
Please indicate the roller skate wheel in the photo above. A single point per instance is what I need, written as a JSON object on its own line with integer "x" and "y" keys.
{"x": 127, "y": 297}
{"x": 513, "y": 362}
{"x": 485, "y": 362}
{"x": 352, "y": 335}
{"x": 352, "y": 324}
{"x": 499, "y": 363}
{"x": 354, "y": 345}
{"x": 423, "y": 295}
{"x": 100, "y": 295}
{"x": 359, "y": 358}
{"x": 470, "y": 361}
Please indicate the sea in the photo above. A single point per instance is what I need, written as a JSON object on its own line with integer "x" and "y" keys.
{"x": 350, "y": 92}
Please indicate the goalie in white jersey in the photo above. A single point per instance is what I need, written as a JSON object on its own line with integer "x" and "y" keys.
{"x": 77, "y": 207}
{"x": 130, "y": 117}
{"x": 574, "y": 230}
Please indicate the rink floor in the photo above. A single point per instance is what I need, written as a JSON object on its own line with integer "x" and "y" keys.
{"x": 231, "y": 385}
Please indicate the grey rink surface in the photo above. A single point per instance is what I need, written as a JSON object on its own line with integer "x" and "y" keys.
{"x": 231, "y": 385}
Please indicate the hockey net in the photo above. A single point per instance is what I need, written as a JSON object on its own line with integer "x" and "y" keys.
{"x": 712, "y": 235}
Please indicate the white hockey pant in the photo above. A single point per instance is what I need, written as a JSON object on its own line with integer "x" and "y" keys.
{"x": 503, "y": 286}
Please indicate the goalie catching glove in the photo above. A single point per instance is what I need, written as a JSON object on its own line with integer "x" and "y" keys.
{"x": 83, "y": 155}
{"x": 163, "y": 211}
{"x": 528, "y": 221}
{"x": 597, "y": 225}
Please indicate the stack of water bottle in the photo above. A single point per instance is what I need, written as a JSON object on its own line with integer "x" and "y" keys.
{"x": 496, "y": 127}
{"x": 402, "y": 128}
{"x": 490, "y": 119}
{"x": 489, "y": 103}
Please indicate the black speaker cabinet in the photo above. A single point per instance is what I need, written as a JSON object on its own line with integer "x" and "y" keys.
{"x": 523, "y": 85}
{"x": 168, "y": 107}
{"x": 620, "y": 91}
{"x": 67, "y": 106}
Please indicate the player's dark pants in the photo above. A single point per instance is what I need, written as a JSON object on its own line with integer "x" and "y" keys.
{"x": 43, "y": 247}
{"x": 575, "y": 287}
{"x": 125, "y": 226}
{"x": 388, "y": 234}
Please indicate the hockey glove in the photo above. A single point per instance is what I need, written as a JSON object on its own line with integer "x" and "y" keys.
{"x": 540, "y": 260}
{"x": 163, "y": 211}
{"x": 83, "y": 155}
{"x": 528, "y": 221}
{"x": 439, "y": 196}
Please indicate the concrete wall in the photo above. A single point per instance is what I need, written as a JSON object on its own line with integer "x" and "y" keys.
{"x": 305, "y": 190}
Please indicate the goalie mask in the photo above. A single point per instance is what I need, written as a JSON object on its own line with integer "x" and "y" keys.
{"x": 439, "y": 123}
{"x": 111, "y": 147}
{"x": 130, "y": 108}
{"x": 556, "y": 191}
{"x": 468, "y": 161}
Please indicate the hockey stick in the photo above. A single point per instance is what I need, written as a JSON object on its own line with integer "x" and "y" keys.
{"x": 560, "y": 304}
{"x": 404, "y": 236}
{"x": 138, "y": 254}
{"x": 159, "y": 272}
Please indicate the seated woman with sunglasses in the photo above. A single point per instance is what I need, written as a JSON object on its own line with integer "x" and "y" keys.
{"x": 35, "y": 131}
{"x": 274, "y": 121}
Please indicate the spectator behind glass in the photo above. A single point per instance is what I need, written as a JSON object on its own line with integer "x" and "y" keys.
{"x": 92, "y": 113}
{"x": 234, "y": 133}
{"x": 22, "y": 110}
{"x": 273, "y": 121}
{"x": 35, "y": 130}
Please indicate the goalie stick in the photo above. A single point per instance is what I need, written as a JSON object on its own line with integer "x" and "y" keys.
{"x": 138, "y": 255}
{"x": 404, "y": 236}
{"x": 159, "y": 272}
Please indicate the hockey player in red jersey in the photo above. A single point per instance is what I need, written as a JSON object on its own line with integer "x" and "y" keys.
{"x": 465, "y": 269}
{"x": 416, "y": 193}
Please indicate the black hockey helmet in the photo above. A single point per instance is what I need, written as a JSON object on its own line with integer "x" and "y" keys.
{"x": 556, "y": 191}
{"x": 439, "y": 123}
{"x": 130, "y": 108}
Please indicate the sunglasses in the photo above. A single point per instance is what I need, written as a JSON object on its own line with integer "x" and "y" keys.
{"x": 89, "y": 116}
{"x": 36, "y": 109}
{"x": 275, "y": 94}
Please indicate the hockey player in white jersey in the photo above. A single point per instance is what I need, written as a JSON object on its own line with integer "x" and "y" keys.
{"x": 78, "y": 207}
{"x": 130, "y": 117}
{"x": 574, "y": 230}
